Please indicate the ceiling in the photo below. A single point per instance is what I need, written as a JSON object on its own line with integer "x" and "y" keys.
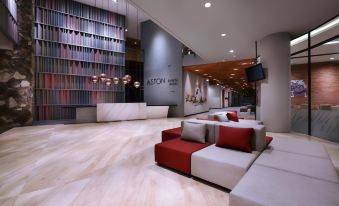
{"x": 128, "y": 10}
{"x": 243, "y": 21}
{"x": 230, "y": 74}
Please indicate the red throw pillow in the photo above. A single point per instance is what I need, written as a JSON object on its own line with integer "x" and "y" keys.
{"x": 235, "y": 138}
{"x": 232, "y": 116}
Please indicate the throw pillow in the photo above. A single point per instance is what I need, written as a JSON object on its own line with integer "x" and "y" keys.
{"x": 232, "y": 116}
{"x": 194, "y": 132}
{"x": 235, "y": 138}
{"x": 222, "y": 118}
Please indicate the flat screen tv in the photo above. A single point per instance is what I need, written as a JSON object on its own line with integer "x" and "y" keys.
{"x": 255, "y": 73}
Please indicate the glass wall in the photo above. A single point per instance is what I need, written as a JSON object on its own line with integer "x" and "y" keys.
{"x": 325, "y": 91}
{"x": 315, "y": 82}
{"x": 299, "y": 94}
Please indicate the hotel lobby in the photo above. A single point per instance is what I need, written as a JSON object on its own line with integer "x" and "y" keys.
{"x": 141, "y": 102}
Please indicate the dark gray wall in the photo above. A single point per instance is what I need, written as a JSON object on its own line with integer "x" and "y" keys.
{"x": 162, "y": 68}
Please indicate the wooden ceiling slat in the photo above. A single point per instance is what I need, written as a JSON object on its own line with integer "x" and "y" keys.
{"x": 230, "y": 73}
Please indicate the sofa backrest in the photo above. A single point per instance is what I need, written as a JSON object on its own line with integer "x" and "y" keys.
{"x": 210, "y": 128}
{"x": 212, "y": 116}
{"x": 258, "y": 140}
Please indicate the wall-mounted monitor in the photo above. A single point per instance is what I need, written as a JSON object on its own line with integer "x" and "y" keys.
{"x": 255, "y": 73}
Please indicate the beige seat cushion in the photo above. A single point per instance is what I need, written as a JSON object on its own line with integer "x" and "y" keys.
{"x": 268, "y": 186}
{"x": 299, "y": 147}
{"x": 224, "y": 167}
{"x": 311, "y": 166}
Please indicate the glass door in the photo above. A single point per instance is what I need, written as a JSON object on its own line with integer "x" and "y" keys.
{"x": 325, "y": 90}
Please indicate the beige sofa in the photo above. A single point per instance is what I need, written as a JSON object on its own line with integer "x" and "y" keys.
{"x": 291, "y": 172}
{"x": 221, "y": 166}
{"x": 245, "y": 121}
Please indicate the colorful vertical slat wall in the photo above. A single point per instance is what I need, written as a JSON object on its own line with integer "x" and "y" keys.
{"x": 74, "y": 41}
{"x": 8, "y": 19}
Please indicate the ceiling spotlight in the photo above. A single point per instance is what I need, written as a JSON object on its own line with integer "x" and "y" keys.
{"x": 232, "y": 74}
{"x": 332, "y": 58}
{"x": 235, "y": 69}
{"x": 231, "y": 51}
{"x": 205, "y": 74}
{"x": 223, "y": 34}
{"x": 197, "y": 70}
{"x": 208, "y": 4}
{"x": 207, "y": 80}
{"x": 231, "y": 77}
{"x": 218, "y": 84}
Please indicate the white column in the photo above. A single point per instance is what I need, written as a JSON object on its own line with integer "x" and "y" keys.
{"x": 274, "y": 96}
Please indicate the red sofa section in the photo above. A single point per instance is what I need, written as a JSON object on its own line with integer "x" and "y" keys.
{"x": 176, "y": 154}
{"x": 170, "y": 134}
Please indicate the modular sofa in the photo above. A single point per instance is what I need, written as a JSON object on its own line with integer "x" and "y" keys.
{"x": 288, "y": 172}
{"x": 191, "y": 158}
{"x": 214, "y": 115}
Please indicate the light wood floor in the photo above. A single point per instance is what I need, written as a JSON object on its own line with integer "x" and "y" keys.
{"x": 99, "y": 164}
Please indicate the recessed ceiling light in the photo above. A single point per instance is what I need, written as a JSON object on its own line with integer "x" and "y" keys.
{"x": 231, "y": 77}
{"x": 207, "y": 80}
{"x": 231, "y": 51}
{"x": 332, "y": 58}
{"x": 218, "y": 84}
{"x": 197, "y": 70}
{"x": 208, "y": 4}
{"x": 235, "y": 69}
{"x": 232, "y": 74}
{"x": 223, "y": 34}
{"x": 115, "y": 1}
{"x": 215, "y": 79}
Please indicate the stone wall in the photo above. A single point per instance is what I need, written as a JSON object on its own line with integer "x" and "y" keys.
{"x": 16, "y": 74}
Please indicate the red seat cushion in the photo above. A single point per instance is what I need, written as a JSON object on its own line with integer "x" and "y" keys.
{"x": 235, "y": 138}
{"x": 176, "y": 154}
{"x": 170, "y": 134}
{"x": 268, "y": 140}
{"x": 232, "y": 116}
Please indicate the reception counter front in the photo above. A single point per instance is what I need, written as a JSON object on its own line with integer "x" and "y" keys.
{"x": 109, "y": 112}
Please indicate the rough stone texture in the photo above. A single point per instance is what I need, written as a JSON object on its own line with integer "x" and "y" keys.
{"x": 17, "y": 75}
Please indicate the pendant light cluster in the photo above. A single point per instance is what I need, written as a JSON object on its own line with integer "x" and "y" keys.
{"x": 115, "y": 80}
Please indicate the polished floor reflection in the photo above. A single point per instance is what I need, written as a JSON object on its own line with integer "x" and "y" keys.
{"x": 100, "y": 164}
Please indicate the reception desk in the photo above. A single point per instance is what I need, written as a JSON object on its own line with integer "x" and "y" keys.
{"x": 156, "y": 112}
{"x": 107, "y": 112}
